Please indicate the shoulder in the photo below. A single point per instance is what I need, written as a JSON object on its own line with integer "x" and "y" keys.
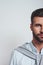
{"x": 18, "y": 57}
{"x": 26, "y": 45}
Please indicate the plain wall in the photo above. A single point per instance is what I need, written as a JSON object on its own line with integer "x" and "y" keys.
{"x": 15, "y": 25}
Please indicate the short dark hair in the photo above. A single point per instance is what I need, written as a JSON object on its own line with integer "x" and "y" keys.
{"x": 36, "y": 13}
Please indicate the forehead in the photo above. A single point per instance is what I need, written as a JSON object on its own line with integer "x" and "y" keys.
{"x": 38, "y": 20}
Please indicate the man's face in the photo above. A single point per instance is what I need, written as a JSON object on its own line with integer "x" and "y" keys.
{"x": 37, "y": 28}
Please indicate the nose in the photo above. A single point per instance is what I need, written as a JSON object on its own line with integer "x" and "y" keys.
{"x": 42, "y": 29}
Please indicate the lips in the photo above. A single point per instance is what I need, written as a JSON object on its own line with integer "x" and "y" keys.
{"x": 41, "y": 35}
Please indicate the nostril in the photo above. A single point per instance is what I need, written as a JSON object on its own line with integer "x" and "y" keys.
{"x": 41, "y": 32}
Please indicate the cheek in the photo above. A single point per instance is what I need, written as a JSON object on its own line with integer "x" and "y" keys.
{"x": 36, "y": 30}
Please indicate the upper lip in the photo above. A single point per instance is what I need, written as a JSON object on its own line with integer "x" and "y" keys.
{"x": 41, "y": 35}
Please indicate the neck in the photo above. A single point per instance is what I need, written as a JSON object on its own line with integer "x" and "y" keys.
{"x": 37, "y": 44}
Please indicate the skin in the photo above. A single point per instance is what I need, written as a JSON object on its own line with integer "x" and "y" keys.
{"x": 37, "y": 30}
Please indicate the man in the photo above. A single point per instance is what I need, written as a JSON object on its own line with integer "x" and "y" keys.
{"x": 31, "y": 53}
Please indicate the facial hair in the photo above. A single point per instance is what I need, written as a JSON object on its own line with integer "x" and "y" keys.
{"x": 36, "y": 36}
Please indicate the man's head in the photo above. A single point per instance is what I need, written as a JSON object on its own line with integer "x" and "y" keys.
{"x": 37, "y": 24}
{"x": 36, "y": 13}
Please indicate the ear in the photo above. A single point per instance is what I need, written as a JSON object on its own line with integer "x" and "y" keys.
{"x": 31, "y": 27}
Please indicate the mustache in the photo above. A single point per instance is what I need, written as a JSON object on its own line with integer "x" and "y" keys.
{"x": 41, "y": 33}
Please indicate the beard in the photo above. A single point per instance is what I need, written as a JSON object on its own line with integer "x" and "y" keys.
{"x": 37, "y": 37}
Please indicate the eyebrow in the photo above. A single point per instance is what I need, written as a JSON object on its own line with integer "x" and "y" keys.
{"x": 37, "y": 24}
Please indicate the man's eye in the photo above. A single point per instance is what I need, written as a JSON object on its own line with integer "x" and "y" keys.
{"x": 37, "y": 25}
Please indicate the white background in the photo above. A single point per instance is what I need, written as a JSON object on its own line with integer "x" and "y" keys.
{"x": 14, "y": 25}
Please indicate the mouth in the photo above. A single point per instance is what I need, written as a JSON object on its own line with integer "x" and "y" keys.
{"x": 41, "y": 35}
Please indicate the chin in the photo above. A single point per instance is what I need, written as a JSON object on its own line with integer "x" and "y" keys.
{"x": 41, "y": 41}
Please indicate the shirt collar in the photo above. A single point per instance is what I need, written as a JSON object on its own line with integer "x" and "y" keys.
{"x": 34, "y": 49}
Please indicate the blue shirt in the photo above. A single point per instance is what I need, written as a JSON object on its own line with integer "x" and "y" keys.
{"x": 20, "y": 59}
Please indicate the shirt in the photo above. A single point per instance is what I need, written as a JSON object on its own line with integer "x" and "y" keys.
{"x": 20, "y": 59}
